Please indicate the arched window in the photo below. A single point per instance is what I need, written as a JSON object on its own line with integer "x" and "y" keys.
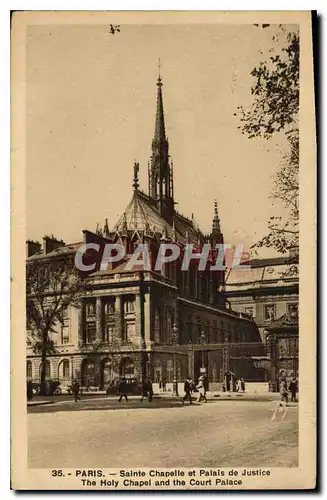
{"x": 127, "y": 368}
{"x": 65, "y": 369}
{"x": 29, "y": 370}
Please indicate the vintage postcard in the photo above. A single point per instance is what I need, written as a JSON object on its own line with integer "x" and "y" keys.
{"x": 163, "y": 251}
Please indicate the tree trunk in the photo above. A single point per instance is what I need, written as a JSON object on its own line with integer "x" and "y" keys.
{"x": 43, "y": 363}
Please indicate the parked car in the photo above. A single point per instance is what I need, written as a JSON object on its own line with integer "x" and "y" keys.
{"x": 134, "y": 386}
{"x": 52, "y": 387}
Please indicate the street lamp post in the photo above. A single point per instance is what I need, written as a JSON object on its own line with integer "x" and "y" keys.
{"x": 203, "y": 340}
{"x": 174, "y": 339}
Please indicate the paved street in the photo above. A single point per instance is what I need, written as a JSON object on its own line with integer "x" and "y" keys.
{"x": 216, "y": 434}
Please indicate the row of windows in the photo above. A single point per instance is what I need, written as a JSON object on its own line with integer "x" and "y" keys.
{"x": 270, "y": 311}
{"x": 109, "y": 305}
{"x": 110, "y": 332}
{"x": 64, "y": 370}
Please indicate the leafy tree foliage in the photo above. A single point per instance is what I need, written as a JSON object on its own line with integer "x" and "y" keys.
{"x": 51, "y": 287}
{"x": 275, "y": 109}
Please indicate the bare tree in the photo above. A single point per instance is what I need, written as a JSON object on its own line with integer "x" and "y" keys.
{"x": 283, "y": 232}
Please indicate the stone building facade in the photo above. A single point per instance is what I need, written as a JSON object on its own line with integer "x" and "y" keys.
{"x": 269, "y": 292}
{"x": 138, "y": 322}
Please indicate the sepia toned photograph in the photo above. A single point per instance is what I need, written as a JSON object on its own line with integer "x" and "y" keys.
{"x": 163, "y": 196}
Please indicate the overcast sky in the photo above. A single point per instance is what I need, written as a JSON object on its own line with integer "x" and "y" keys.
{"x": 91, "y": 100}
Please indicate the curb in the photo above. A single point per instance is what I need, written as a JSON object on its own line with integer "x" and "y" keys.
{"x": 39, "y": 403}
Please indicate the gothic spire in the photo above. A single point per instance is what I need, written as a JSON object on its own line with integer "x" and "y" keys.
{"x": 160, "y": 172}
{"x": 160, "y": 131}
{"x": 215, "y": 221}
{"x": 106, "y": 232}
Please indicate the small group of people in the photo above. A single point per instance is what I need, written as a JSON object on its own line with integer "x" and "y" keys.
{"x": 292, "y": 388}
{"x": 190, "y": 387}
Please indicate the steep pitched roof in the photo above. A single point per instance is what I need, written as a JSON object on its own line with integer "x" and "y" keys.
{"x": 142, "y": 214}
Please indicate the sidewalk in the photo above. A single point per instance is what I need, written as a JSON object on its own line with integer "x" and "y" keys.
{"x": 39, "y": 403}
{"x": 162, "y": 400}
{"x": 248, "y": 396}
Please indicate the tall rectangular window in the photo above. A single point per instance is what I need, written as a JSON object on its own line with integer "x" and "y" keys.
{"x": 269, "y": 312}
{"x": 90, "y": 331}
{"x": 65, "y": 327}
{"x": 129, "y": 305}
{"x": 90, "y": 308}
{"x": 109, "y": 305}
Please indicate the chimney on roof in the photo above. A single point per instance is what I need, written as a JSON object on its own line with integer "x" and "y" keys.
{"x": 32, "y": 247}
{"x": 50, "y": 243}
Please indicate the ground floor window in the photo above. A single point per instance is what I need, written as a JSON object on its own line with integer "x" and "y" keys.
{"x": 106, "y": 372}
{"x": 65, "y": 369}
{"x": 170, "y": 370}
{"x": 29, "y": 370}
{"x": 88, "y": 373}
{"x": 158, "y": 372}
{"x": 127, "y": 368}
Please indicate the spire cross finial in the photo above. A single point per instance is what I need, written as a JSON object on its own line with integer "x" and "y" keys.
{"x": 159, "y": 83}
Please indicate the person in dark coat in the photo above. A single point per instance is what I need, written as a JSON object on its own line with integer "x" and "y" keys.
{"x": 150, "y": 390}
{"x": 188, "y": 386}
{"x": 122, "y": 390}
{"x": 75, "y": 390}
{"x": 293, "y": 389}
{"x": 147, "y": 390}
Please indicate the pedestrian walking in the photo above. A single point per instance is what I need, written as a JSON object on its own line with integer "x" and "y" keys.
{"x": 145, "y": 388}
{"x": 283, "y": 391}
{"x": 188, "y": 385}
{"x": 164, "y": 384}
{"x": 122, "y": 390}
{"x": 202, "y": 393}
{"x": 242, "y": 385}
{"x": 76, "y": 390}
{"x": 293, "y": 389}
